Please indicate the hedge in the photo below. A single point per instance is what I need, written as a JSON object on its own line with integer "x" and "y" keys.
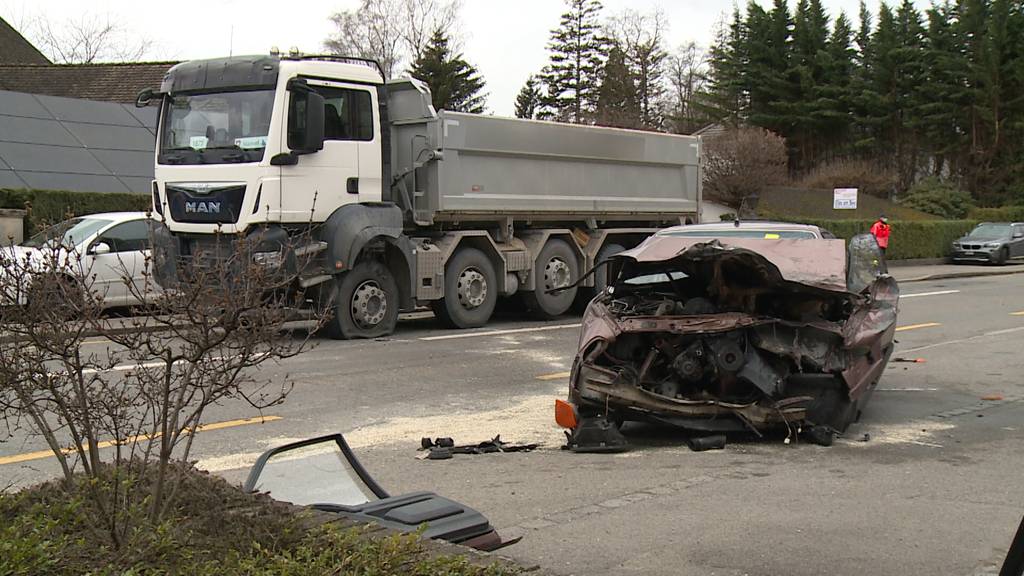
{"x": 910, "y": 239}
{"x": 1004, "y": 214}
{"x": 47, "y": 207}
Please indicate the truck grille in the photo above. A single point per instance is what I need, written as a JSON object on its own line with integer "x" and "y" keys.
{"x": 205, "y": 204}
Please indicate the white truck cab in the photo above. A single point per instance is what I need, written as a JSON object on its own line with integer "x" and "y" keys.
{"x": 226, "y": 159}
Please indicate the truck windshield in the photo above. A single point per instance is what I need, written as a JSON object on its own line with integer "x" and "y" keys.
{"x": 216, "y": 128}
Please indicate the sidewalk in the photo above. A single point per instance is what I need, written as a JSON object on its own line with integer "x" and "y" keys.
{"x": 922, "y": 272}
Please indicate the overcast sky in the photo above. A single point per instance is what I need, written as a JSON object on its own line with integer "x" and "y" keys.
{"x": 505, "y": 39}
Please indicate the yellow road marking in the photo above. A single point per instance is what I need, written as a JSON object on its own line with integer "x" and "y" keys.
{"x": 39, "y": 455}
{"x": 916, "y": 326}
{"x": 555, "y": 376}
{"x": 1021, "y": 313}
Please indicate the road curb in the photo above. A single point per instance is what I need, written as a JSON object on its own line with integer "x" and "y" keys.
{"x": 965, "y": 274}
{"x": 114, "y": 331}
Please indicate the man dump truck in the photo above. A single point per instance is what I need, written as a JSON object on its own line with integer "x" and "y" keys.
{"x": 392, "y": 203}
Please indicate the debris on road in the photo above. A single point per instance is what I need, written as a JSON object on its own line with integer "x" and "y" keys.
{"x": 909, "y": 360}
{"x": 719, "y": 337}
{"x": 702, "y": 443}
{"x": 992, "y": 398}
{"x": 445, "y": 448}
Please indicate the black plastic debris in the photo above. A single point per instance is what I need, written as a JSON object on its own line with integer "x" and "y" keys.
{"x": 595, "y": 435}
{"x": 444, "y": 448}
{"x": 703, "y": 443}
{"x": 820, "y": 435}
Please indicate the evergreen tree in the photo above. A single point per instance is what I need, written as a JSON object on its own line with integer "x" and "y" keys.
{"x": 528, "y": 101}
{"x": 454, "y": 83}
{"x": 726, "y": 97}
{"x": 572, "y": 77}
{"x": 618, "y": 102}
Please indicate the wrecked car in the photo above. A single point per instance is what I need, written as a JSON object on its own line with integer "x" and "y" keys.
{"x": 737, "y": 335}
{"x": 324, "y": 474}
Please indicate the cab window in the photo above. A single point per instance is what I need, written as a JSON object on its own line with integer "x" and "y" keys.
{"x": 348, "y": 113}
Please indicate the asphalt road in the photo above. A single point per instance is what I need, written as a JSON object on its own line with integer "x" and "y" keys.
{"x": 936, "y": 490}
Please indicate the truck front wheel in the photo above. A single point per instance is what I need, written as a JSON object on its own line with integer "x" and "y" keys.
{"x": 365, "y": 303}
{"x": 470, "y": 290}
{"x": 556, "y": 267}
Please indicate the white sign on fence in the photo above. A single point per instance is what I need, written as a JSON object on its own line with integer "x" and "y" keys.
{"x": 844, "y": 199}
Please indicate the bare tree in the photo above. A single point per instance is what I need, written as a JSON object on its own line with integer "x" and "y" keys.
{"x": 87, "y": 40}
{"x": 197, "y": 344}
{"x": 740, "y": 163}
{"x": 687, "y": 75}
{"x": 393, "y": 32}
{"x": 641, "y": 38}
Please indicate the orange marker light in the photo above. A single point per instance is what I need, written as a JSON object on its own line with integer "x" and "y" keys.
{"x": 565, "y": 414}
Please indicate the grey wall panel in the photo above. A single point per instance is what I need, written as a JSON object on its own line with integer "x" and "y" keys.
{"x": 124, "y": 163}
{"x": 34, "y": 131}
{"x": 73, "y": 110}
{"x": 18, "y": 104}
{"x": 111, "y": 137}
{"x": 138, "y": 185}
{"x": 9, "y": 179}
{"x": 146, "y": 116}
{"x": 39, "y": 158}
{"x": 73, "y": 182}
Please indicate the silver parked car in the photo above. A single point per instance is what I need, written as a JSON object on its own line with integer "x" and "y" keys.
{"x": 105, "y": 249}
{"x": 749, "y": 229}
{"x": 995, "y": 242}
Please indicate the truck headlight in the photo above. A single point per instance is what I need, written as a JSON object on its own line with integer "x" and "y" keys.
{"x": 268, "y": 259}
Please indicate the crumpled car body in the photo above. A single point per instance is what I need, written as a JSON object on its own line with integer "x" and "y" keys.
{"x": 747, "y": 334}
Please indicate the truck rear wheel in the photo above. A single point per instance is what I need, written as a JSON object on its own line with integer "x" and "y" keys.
{"x": 470, "y": 290}
{"x": 556, "y": 266}
{"x": 365, "y": 303}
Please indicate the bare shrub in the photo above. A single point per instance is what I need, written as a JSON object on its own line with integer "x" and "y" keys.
{"x": 741, "y": 162}
{"x": 866, "y": 176}
{"x": 198, "y": 344}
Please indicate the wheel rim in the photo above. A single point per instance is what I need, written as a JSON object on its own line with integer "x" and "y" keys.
{"x": 369, "y": 304}
{"x": 472, "y": 288}
{"x": 557, "y": 274}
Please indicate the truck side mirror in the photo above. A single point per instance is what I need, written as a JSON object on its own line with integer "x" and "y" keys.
{"x": 305, "y": 120}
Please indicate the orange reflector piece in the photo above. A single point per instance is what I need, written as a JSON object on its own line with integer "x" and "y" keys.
{"x": 565, "y": 414}
{"x": 993, "y": 398}
{"x": 919, "y": 360}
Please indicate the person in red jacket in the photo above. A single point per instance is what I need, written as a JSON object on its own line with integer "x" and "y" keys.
{"x": 880, "y": 230}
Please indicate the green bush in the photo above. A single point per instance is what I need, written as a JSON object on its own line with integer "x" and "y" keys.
{"x": 1003, "y": 214}
{"x": 213, "y": 529}
{"x": 943, "y": 199}
{"x": 910, "y": 239}
{"x": 47, "y": 207}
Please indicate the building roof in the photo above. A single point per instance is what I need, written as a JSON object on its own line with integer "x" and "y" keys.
{"x": 53, "y": 143}
{"x": 104, "y": 82}
{"x": 15, "y": 49}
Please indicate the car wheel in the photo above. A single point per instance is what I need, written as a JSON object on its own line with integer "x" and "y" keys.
{"x": 57, "y": 295}
{"x": 365, "y": 303}
{"x": 470, "y": 290}
{"x": 556, "y": 266}
{"x": 1002, "y": 256}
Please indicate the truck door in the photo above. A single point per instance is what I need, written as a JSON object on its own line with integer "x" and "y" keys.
{"x": 348, "y": 169}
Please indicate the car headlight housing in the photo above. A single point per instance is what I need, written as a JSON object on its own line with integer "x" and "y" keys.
{"x": 993, "y": 244}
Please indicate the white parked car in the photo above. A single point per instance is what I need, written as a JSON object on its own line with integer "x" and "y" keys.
{"x": 105, "y": 248}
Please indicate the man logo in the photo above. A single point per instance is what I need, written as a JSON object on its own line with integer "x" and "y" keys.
{"x": 202, "y": 207}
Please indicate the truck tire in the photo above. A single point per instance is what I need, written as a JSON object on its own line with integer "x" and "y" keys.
{"x": 365, "y": 303}
{"x": 556, "y": 266}
{"x": 470, "y": 290}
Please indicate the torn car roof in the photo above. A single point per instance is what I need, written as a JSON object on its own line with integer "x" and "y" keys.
{"x": 818, "y": 263}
